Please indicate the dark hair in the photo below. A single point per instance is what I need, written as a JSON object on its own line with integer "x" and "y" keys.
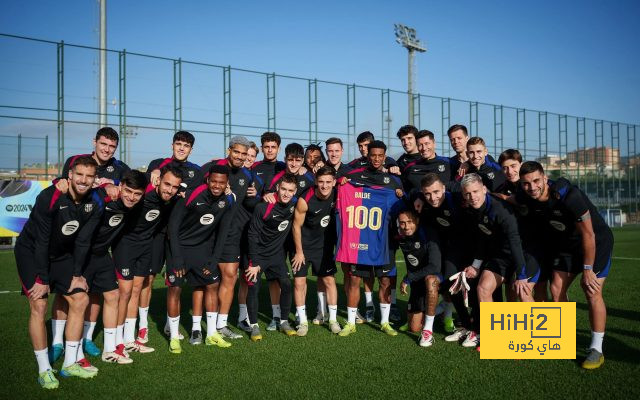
{"x": 175, "y": 171}
{"x": 429, "y": 179}
{"x": 510, "y": 154}
{"x": 326, "y": 170}
{"x": 407, "y": 130}
{"x": 457, "y": 127}
{"x": 288, "y": 177}
{"x": 377, "y": 144}
{"x": 134, "y": 179}
{"x": 424, "y": 133}
{"x": 219, "y": 169}
{"x": 255, "y": 148}
{"x": 85, "y": 160}
{"x": 314, "y": 147}
{"x": 475, "y": 140}
{"x": 270, "y": 137}
{"x": 413, "y": 216}
{"x": 333, "y": 140}
{"x": 109, "y": 133}
{"x": 294, "y": 150}
{"x": 184, "y": 136}
{"x": 528, "y": 167}
{"x": 365, "y": 136}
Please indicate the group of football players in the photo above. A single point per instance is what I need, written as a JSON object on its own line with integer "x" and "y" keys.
{"x": 466, "y": 226}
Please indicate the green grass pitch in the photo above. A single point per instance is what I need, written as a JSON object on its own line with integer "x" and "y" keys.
{"x": 368, "y": 364}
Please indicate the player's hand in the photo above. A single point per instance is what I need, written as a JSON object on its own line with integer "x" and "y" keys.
{"x": 318, "y": 165}
{"x": 252, "y": 273}
{"x": 269, "y": 198}
{"x": 38, "y": 291}
{"x": 302, "y": 170}
{"x": 155, "y": 177}
{"x": 343, "y": 180}
{"x": 464, "y": 167}
{"x": 521, "y": 287}
{"x": 417, "y": 204}
{"x": 297, "y": 262}
{"x": 63, "y": 185}
{"x": 251, "y": 190}
{"x": 590, "y": 282}
{"x": 78, "y": 282}
{"x": 205, "y": 271}
{"x": 112, "y": 190}
{"x": 394, "y": 170}
{"x": 399, "y": 193}
{"x": 227, "y": 190}
{"x": 471, "y": 272}
{"x": 180, "y": 272}
{"x": 103, "y": 181}
{"x": 403, "y": 288}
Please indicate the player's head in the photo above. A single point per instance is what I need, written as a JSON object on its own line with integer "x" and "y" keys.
{"x": 458, "y": 137}
{"x": 237, "y": 151}
{"x": 433, "y": 189}
{"x": 473, "y": 190}
{"x": 408, "y": 135}
{"x": 408, "y": 222}
{"x": 510, "y": 160}
{"x": 252, "y": 154}
{"x": 312, "y": 155}
{"x": 105, "y": 143}
{"x": 82, "y": 175}
{"x": 533, "y": 180}
{"x": 334, "y": 149}
{"x": 218, "y": 179}
{"x": 294, "y": 157}
{"x": 426, "y": 144}
{"x": 287, "y": 188}
{"x": 376, "y": 154}
{"x": 270, "y": 145}
{"x": 182, "y": 145}
{"x": 325, "y": 180}
{"x": 363, "y": 141}
{"x": 476, "y": 151}
{"x": 170, "y": 180}
{"x": 132, "y": 186}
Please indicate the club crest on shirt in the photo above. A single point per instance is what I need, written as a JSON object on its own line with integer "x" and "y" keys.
{"x": 441, "y": 168}
{"x": 416, "y": 245}
{"x": 110, "y": 168}
{"x": 302, "y": 184}
{"x": 283, "y": 225}
{"x": 325, "y": 221}
{"x": 88, "y": 207}
{"x": 206, "y": 219}
{"x": 116, "y": 219}
{"x": 221, "y": 204}
{"x": 152, "y": 215}
{"x": 241, "y": 182}
{"x": 172, "y": 278}
{"x": 191, "y": 174}
{"x": 70, "y": 227}
{"x": 386, "y": 179}
{"x": 447, "y": 213}
{"x": 291, "y": 209}
{"x": 486, "y": 219}
{"x": 491, "y": 175}
{"x": 125, "y": 271}
{"x": 557, "y": 213}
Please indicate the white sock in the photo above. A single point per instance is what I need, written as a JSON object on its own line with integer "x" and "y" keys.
{"x": 42, "y": 357}
{"x": 322, "y": 303}
{"x": 119, "y": 334}
{"x": 448, "y": 309}
{"x": 87, "y": 330}
{"x": 385, "y": 309}
{"x": 212, "y": 318}
{"x": 596, "y": 340}
{"x": 143, "y": 313}
{"x": 195, "y": 325}
{"x": 368, "y": 298}
{"x": 428, "y": 323}
{"x": 129, "y": 330}
{"x": 393, "y": 296}
{"x": 70, "y": 353}
{"x": 302, "y": 314}
{"x": 174, "y": 324}
{"x": 333, "y": 313}
{"x": 80, "y": 353}
{"x": 351, "y": 315}
{"x": 275, "y": 310}
{"x": 222, "y": 321}
{"x": 109, "y": 342}
{"x": 242, "y": 312}
{"x": 57, "y": 329}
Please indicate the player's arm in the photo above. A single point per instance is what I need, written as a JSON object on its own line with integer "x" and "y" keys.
{"x": 43, "y": 218}
{"x": 509, "y": 226}
{"x": 255, "y": 227}
{"x": 173, "y": 231}
{"x": 82, "y": 246}
{"x": 434, "y": 255}
{"x": 298, "y": 220}
{"x": 222, "y": 231}
{"x": 585, "y": 228}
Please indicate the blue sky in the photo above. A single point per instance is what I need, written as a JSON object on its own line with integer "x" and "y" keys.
{"x": 579, "y": 58}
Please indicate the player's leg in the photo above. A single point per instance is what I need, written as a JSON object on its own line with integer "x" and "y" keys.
{"x": 253, "y": 291}
{"x": 197, "y": 299}
{"x": 321, "y": 314}
{"x": 487, "y": 284}
{"x": 125, "y": 286}
{"x": 370, "y": 312}
{"x": 229, "y": 276}
{"x": 416, "y": 306}
{"x": 353, "y": 296}
{"x": 276, "y": 312}
{"x": 432, "y": 283}
{"x": 38, "y": 334}
{"x": 90, "y": 321}
{"x": 143, "y": 309}
{"x": 560, "y": 282}
{"x": 130, "y": 342}
{"x": 331, "y": 290}
{"x": 213, "y": 312}
{"x": 78, "y": 303}
{"x": 59, "y": 311}
{"x": 278, "y": 272}
{"x": 96, "y": 279}
{"x": 300, "y": 296}
{"x": 110, "y": 322}
{"x": 384, "y": 296}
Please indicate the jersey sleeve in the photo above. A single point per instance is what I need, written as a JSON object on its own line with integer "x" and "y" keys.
{"x": 175, "y": 219}
{"x": 222, "y": 231}
{"x": 575, "y": 204}
{"x": 509, "y": 226}
{"x": 255, "y": 226}
{"x": 84, "y": 238}
{"x": 43, "y": 219}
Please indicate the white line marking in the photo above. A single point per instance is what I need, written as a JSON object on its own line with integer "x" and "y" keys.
{"x": 626, "y": 258}
{"x": 9, "y": 291}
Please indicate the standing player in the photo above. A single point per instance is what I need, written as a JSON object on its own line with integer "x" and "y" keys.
{"x": 479, "y": 162}
{"x": 580, "y": 241}
{"x": 408, "y": 136}
{"x": 510, "y": 161}
{"x": 50, "y": 253}
{"x": 334, "y": 150}
{"x": 364, "y": 215}
{"x": 198, "y": 228}
{"x": 429, "y": 161}
{"x": 268, "y": 229}
{"x": 458, "y": 137}
{"x": 314, "y": 237}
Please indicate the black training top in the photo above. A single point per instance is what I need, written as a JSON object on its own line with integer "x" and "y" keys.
{"x": 269, "y": 227}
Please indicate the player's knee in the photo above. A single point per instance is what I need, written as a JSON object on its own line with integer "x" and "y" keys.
{"x": 78, "y": 301}
{"x": 111, "y": 297}
{"x": 285, "y": 284}
{"x": 38, "y": 308}
{"x": 484, "y": 291}
{"x": 433, "y": 283}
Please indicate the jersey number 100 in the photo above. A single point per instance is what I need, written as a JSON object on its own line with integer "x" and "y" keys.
{"x": 361, "y": 217}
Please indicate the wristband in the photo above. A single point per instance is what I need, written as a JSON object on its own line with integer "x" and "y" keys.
{"x": 476, "y": 263}
{"x": 588, "y": 267}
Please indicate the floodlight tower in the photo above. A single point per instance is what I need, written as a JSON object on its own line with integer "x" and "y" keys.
{"x": 406, "y": 37}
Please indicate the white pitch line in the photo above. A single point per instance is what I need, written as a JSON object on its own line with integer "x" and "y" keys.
{"x": 626, "y": 258}
{"x": 9, "y": 291}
